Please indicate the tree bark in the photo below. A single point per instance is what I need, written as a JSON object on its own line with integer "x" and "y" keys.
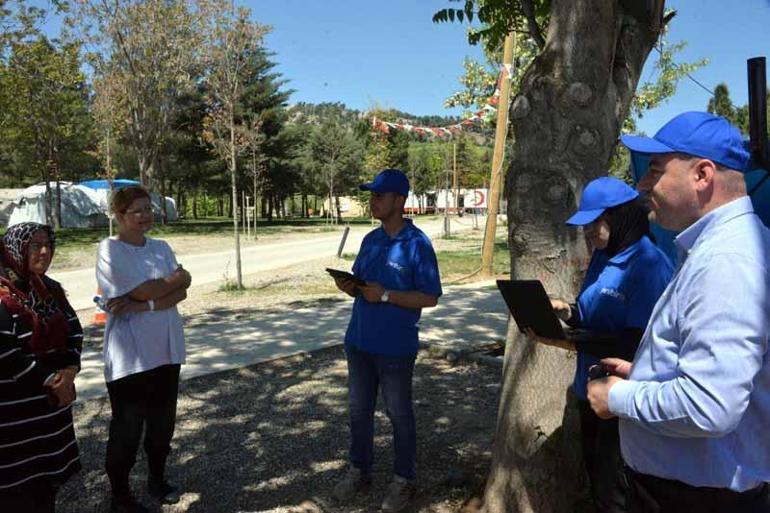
{"x": 338, "y": 208}
{"x": 162, "y": 204}
{"x": 566, "y": 121}
{"x": 48, "y": 196}
{"x": 57, "y": 218}
{"x": 234, "y": 200}
{"x": 146, "y": 167}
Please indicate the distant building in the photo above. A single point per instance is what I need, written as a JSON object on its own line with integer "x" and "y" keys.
{"x": 431, "y": 202}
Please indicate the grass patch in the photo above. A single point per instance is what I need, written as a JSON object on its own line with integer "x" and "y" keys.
{"x": 231, "y": 287}
{"x": 455, "y": 263}
{"x": 308, "y": 282}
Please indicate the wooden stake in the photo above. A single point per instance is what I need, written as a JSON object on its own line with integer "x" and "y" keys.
{"x": 501, "y": 133}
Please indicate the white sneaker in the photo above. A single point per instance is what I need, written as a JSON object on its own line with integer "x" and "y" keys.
{"x": 351, "y": 483}
{"x": 400, "y": 493}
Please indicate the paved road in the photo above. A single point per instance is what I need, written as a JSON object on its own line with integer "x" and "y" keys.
{"x": 211, "y": 267}
{"x": 467, "y": 315}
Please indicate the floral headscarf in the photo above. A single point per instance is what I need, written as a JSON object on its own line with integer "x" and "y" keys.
{"x": 28, "y": 294}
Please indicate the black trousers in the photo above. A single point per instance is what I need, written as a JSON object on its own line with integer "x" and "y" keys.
{"x": 143, "y": 401}
{"x": 604, "y": 463}
{"x": 650, "y": 494}
{"x": 37, "y": 496}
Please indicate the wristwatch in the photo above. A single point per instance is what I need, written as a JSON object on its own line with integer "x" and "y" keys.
{"x": 385, "y": 297}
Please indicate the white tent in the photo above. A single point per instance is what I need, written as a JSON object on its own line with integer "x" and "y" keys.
{"x": 102, "y": 196}
{"x": 6, "y": 203}
{"x": 80, "y": 207}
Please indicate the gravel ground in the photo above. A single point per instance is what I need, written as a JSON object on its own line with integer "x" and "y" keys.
{"x": 273, "y": 437}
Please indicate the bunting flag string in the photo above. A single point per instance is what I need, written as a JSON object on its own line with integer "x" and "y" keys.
{"x": 490, "y": 107}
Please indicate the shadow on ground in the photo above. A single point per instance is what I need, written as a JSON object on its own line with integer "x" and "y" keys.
{"x": 270, "y": 436}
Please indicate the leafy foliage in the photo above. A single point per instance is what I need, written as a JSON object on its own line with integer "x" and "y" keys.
{"x": 669, "y": 73}
{"x": 46, "y": 127}
{"x": 499, "y": 17}
{"x": 722, "y": 105}
{"x": 146, "y": 51}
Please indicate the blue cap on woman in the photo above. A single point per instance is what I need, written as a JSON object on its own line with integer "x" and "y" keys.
{"x": 598, "y": 196}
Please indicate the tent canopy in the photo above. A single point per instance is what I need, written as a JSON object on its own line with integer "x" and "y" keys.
{"x": 80, "y": 206}
{"x": 118, "y": 183}
{"x": 101, "y": 190}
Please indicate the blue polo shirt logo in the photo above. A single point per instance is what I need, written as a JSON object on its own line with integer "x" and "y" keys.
{"x": 614, "y": 293}
{"x": 398, "y": 267}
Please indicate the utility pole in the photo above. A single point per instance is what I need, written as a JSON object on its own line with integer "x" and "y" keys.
{"x": 495, "y": 182}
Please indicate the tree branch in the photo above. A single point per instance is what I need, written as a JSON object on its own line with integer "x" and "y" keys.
{"x": 528, "y": 8}
{"x": 668, "y": 17}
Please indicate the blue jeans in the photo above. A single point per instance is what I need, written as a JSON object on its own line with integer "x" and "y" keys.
{"x": 392, "y": 375}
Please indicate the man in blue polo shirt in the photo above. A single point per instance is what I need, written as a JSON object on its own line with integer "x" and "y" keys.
{"x": 694, "y": 405}
{"x": 399, "y": 266}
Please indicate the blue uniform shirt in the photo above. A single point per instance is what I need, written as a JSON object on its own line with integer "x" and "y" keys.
{"x": 619, "y": 292}
{"x": 696, "y": 407}
{"x": 404, "y": 262}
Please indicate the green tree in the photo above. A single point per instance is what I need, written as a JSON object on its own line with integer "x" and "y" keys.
{"x": 335, "y": 155}
{"x": 47, "y": 125}
{"x": 148, "y": 50}
{"x": 269, "y": 151}
{"x": 230, "y": 37}
{"x": 669, "y": 73}
{"x": 572, "y": 103}
{"x": 722, "y": 105}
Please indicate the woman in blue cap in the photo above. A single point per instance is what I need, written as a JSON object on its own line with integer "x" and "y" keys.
{"x": 625, "y": 277}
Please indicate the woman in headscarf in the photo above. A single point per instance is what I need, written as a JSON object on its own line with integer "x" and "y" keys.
{"x": 143, "y": 346}
{"x": 626, "y": 276}
{"x": 40, "y": 343}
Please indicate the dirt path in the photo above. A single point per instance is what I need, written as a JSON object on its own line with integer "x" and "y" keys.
{"x": 273, "y": 437}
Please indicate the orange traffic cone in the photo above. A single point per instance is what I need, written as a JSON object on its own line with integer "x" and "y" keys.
{"x": 100, "y": 316}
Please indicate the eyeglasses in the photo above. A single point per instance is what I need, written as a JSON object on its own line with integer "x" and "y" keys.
{"x": 35, "y": 246}
{"x": 140, "y": 211}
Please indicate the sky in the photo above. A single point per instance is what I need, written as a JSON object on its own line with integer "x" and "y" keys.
{"x": 390, "y": 54}
{"x": 365, "y": 53}
{"x": 727, "y": 33}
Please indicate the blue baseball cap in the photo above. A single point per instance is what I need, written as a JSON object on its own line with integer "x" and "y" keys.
{"x": 699, "y": 134}
{"x": 388, "y": 180}
{"x": 598, "y": 196}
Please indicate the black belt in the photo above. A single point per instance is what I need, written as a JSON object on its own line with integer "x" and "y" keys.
{"x": 653, "y": 494}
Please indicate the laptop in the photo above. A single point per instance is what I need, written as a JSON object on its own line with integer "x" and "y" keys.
{"x": 531, "y": 307}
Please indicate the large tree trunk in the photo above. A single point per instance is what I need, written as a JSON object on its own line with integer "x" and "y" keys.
{"x": 566, "y": 121}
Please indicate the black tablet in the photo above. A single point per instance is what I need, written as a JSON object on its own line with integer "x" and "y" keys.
{"x": 531, "y": 307}
{"x": 336, "y": 273}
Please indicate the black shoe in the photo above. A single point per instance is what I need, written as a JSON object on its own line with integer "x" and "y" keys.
{"x": 163, "y": 491}
{"x": 127, "y": 504}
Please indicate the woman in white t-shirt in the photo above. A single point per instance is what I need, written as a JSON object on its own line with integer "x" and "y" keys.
{"x": 141, "y": 285}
